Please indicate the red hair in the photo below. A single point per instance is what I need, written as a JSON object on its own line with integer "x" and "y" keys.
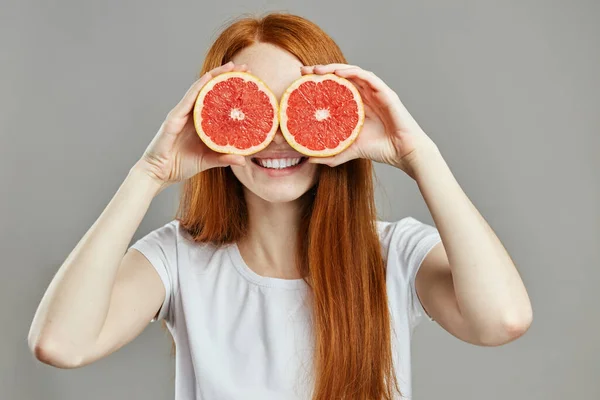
{"x": 339, "y": 254}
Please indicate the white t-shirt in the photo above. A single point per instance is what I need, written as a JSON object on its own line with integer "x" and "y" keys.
{"x": 240, "y": 335}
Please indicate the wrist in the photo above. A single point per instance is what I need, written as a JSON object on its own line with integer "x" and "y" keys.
{"x": 142, "y": 174}
{"x": 426, "y": 162}
{"x": 419, "y": 159}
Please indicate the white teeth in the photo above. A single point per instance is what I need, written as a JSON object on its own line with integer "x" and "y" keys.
{"x": 279, "y": 163}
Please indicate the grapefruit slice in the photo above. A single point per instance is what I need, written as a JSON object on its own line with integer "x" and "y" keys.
{"x": 321, "y": 115}
{"x": 236, "y": 113}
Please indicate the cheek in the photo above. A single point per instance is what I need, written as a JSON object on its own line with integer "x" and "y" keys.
{"x": 313, "y": 173}
{"x": 243, "y": 174}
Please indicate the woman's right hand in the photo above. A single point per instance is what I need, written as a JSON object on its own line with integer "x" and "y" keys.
{"x": 176, "y": 153}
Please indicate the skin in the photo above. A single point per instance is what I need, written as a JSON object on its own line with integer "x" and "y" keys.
{"x": 273, "y": 204}
{"x": 468, "y": 283}
{"x": 103, "y": 296}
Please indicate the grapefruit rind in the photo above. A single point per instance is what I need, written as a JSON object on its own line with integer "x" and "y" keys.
{"x": 343, "y": 145}
{"x": 229, "y": 149}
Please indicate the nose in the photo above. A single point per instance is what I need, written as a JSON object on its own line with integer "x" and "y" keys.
{"x": 279, "y": 139}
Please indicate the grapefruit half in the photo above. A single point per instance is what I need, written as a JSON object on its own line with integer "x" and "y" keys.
{"x": 321, "y": 115}
{"x": 236, "y": 113}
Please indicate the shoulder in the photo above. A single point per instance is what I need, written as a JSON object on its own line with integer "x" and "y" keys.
{"x": 172, "y": 230}
{"x": 405, "y": 243}
{"x": 172, "y": 243}
{"x": 404, "y": 232}
{"x": 170, "y": 233}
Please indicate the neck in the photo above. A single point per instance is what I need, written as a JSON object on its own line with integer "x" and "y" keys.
{"x": 271, "y": 245}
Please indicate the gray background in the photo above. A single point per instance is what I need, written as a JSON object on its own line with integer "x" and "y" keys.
{"x": 509, "y": 90}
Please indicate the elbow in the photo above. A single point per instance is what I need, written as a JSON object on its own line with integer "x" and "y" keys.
{"x": 507, "y": 329}
{"x": 51, "y": 352}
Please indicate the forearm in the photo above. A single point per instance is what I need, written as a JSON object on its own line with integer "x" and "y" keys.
{"x": 489, "y": 291}
{"x": 75, "y": 305}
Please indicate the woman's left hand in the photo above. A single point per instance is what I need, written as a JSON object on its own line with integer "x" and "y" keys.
{"x": 389, "y": 135}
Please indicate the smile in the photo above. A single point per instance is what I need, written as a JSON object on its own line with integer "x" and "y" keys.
{"x": 278, "y": 163}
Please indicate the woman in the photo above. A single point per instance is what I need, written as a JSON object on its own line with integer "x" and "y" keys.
{"x": 283, "y": 285}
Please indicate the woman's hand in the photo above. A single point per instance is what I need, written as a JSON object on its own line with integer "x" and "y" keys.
{"x": 390, "y": 134}
{"x": 176, "y": 153}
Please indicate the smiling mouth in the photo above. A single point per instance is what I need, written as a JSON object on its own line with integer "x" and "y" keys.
{"x": 279, "y": 163}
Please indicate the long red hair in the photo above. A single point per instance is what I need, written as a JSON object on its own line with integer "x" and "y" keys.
{"x": 339, "y": 253}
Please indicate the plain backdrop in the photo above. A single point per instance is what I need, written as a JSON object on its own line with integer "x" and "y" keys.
{"x": 509, "y": 91}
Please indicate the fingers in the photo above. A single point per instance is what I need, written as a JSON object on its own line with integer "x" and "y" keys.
{"x": 357, "y": 75}
{"x": 359, "y": 84}
{"x": 323, "y": 69}
{"x": 389, "y": 99}
{"x": 329, "y": 161}
{"x": 363, "y": 80}
{"x": 338, "y": 159}
{"x": 241, "y": 68}
{"x": 304, "y": 70}
{"x": 231, "y": 159}
{"x": 186, "y": 104}
{"x": 213, "y": 160}
{"x": 331, "y": 68}
{"x": 363, "y": 77}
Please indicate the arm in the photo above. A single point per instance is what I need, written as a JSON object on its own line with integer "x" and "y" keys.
{"x": 99, "y": 299}
{"x": 468, "y": 283}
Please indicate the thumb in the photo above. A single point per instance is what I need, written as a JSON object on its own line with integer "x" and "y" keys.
{"x": 214, "y": 160}
{"x": 230, "y": 159}
{"x": 332, "y": 161}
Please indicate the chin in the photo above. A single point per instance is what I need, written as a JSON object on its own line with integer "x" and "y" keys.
{"x": 277, "y": 195}
{"x": 277, "y": 186}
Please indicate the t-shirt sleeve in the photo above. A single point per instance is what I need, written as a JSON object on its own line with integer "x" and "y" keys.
{"x": 160, "y": 248}
{"x": 409, "y": 241}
